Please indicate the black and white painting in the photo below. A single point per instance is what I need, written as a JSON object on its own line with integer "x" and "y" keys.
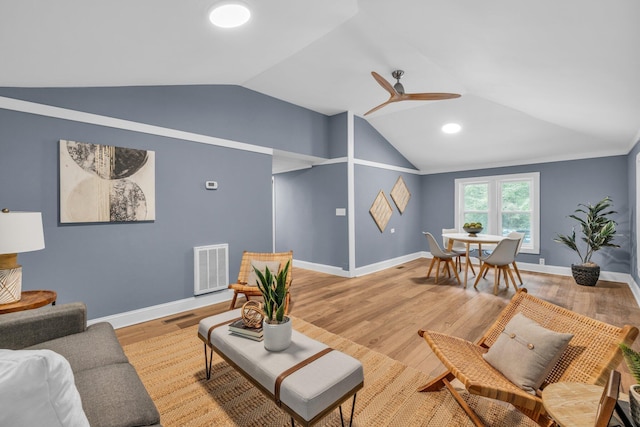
{"x": 103, "y": 183}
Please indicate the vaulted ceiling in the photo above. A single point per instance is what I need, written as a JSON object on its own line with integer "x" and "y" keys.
{"x": 540, "y": 80}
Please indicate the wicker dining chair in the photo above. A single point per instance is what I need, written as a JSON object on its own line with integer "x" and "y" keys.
{"x": 592, "y": 353}
{"x": 242, "y": 287}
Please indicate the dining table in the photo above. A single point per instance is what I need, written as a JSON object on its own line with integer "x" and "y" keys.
{"x": 471, "y": 239}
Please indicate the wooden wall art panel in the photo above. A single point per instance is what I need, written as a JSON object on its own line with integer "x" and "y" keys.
{"x": 400, "y": 194}
{"x": 381, "y": 211}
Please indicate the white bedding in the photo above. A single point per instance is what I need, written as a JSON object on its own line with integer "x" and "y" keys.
{"x": 37, "y": 389}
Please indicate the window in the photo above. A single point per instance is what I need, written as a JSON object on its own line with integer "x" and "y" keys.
{"x": 503, "y": 204}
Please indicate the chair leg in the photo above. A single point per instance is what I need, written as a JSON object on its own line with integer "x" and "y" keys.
{"x": 455, "y": 272}
{"x": 433, "y": 260}
{"x": 515, "y": 267}
{"x": 437, "y": 270}
{"x": 508, "y": 271}
{"x": 473, "y": 270}
{"x": 233, "y": 301}
{"x": 479, "y": 276}
{"x": 496, "y": 281}
{"x": 437, "y": 383}
{"x": 287, "y": 301}
{"x": 464, "y": 405}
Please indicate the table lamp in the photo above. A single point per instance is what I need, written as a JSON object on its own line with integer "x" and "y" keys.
{"x": 19, "y": 232}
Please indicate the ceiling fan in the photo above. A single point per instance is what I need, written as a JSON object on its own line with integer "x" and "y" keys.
{"x": 397, "y": 92}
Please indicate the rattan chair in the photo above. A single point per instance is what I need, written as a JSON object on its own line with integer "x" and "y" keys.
{"x": 241, "y": 286}
{"x": 592, "y": 353}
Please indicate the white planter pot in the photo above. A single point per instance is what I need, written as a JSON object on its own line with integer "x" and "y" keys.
{"x": 277, "y": 336}
{"x": 634, "y": 403}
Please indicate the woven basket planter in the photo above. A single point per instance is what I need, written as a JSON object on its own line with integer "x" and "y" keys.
{"x": 585, "y": 275}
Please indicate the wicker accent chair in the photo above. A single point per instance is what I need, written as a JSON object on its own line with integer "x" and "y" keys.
{"x": 592, "y": 354}
{"x": 241, "y": 286}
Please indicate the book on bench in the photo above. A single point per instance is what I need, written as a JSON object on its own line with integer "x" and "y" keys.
{"x": 238, "y": 328}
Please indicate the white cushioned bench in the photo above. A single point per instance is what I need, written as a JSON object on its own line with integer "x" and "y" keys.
{"x": 313, "y": 379}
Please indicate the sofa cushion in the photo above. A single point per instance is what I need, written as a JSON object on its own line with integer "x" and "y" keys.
{"x": 114, "y": 396}
{"x": 37, "y": 389}
{"x": 97, "y": 346}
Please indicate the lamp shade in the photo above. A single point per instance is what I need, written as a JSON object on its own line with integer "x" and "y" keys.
{"x": 20, "y": 232}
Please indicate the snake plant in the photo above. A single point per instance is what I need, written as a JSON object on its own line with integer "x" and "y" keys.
{"x": 274, "y": 292}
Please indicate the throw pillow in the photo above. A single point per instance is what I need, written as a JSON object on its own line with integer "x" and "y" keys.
{"x": 37, "y": 388}
{"x": 525, "y": 352}
{"x": 274, "y": 267}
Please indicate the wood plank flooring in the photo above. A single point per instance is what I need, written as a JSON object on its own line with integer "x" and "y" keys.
{"x": 384, "y": 310}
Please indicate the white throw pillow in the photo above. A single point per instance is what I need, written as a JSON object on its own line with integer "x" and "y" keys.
{"x": 274, "y": 266}
{"x": 37, "y": 389}
{"x": 525, "y": 352}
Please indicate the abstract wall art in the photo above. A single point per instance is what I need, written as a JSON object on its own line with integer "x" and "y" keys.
{"x": 381, "y": 211}
{"x": 400, "y": 194}
{"x": 103, "y": 183}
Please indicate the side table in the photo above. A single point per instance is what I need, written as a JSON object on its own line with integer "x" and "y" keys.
{"x": 30, "y": 300}
{"x": 573, "y": 404}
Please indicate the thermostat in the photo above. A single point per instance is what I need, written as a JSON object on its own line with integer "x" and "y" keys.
{"x": 211, "y": 185}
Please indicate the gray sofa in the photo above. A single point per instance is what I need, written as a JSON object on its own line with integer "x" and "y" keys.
{"x": 112, "y": 393}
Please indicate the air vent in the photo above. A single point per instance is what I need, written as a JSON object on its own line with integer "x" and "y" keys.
{"x": 211, "y": 268}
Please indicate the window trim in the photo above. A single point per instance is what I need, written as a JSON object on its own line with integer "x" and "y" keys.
{"x": 494, "y": 182}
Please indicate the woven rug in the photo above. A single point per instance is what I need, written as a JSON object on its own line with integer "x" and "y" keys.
{"x": 172, "y": 369}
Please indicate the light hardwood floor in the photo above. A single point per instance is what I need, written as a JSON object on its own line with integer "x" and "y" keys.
{"x": 384, "y": 310}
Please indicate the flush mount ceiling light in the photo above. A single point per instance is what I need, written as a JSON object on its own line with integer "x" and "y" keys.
{"x": 451, "y": 128}
{"x": 229, "y": 15}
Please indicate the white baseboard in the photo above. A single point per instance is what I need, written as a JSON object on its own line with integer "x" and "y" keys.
{"x": 133, "y": 317}
{"x": 372, "y": 268}
{"x": 321, "y": 268}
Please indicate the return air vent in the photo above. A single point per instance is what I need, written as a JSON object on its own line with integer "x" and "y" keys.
{"x": 211, "y": 268}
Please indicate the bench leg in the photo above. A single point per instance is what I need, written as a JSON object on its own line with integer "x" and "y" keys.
{"x": 208, "y": 363}
{"x": 353, "y": 410}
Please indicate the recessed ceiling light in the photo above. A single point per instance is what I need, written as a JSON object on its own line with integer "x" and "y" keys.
{"x": 451, "y": 128}
{"x": 229, "y": 15}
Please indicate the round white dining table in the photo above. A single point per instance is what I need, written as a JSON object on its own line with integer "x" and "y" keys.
{"x": 468, "y": 240}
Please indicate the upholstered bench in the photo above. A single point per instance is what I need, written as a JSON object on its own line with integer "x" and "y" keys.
{"x": 308, "y": 380}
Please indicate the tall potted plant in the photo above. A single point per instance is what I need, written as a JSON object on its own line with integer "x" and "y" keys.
{"x": 276, "y": 326}
{"x": 598, "y": 232}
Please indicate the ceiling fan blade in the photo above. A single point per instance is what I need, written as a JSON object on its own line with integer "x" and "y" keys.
{"x": 435, "y": 96}
{"x": 389, "y": 101}
{"x": 385, "y": 84}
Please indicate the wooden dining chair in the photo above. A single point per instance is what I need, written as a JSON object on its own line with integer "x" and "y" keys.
{"x": 502, "y": 256}
{"x": 439, "y": 255}
{"x": 458, "y": 248}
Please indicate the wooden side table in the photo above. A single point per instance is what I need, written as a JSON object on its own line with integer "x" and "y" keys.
{"x": 30, "y": 300}
{"x": 573, "y": 404}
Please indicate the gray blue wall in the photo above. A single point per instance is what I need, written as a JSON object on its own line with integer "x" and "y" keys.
{"x": 306, "y": 221}
{"x": 633, "y": 198}
{"x": 562, "y": 186}
{"x": 116, "y": 268}
{"x": 372, "y": 245}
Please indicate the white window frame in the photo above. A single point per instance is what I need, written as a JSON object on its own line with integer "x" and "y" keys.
{"x": 494, "y": 193}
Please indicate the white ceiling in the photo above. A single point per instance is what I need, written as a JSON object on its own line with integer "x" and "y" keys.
{"x": 540, "y": 80}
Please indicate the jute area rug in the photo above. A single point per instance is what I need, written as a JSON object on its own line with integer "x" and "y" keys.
{"x": 172, "y": 369}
